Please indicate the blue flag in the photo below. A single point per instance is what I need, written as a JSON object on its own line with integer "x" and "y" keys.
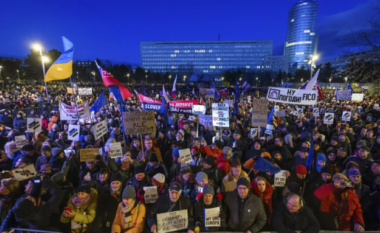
{"x": 270, "y": 115}
{"x": 237, "y": 93}
{"x": 40, "y": 99}
{"x": 350, "y": 88}
{"x": 142, "y": 89}
{"x": 216, "y": 94}
{"x": 310, "y": 158}
{"x": 100, "y": 102}
{"x": 236, "y": 108}
{"x": 163, "y": 109}
{"x": 264, "y": 165}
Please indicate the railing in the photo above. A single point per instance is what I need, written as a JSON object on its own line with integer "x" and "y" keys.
{"x": 37, "y": 110}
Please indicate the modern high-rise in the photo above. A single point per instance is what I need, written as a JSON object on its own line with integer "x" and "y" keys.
{"x": 301, "y": 39}
{"x": 212, "y": 57}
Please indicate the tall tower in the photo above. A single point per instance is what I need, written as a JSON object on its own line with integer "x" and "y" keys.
{"x": 301, "y": 39}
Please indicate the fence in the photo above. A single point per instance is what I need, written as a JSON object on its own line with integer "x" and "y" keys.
{"x": 37, "y": 110}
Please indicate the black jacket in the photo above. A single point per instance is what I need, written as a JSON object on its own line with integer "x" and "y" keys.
{"x": 199, "y": 215}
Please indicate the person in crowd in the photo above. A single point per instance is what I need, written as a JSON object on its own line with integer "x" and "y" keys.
{"x": 186, "y": 180}
{"x": 176, "y": 165}
{"x": 135, "y": 148}
{"x": 263, "y": 190}
{"x": 229, "y": 182}
{"x": 224, "y": 160}
{"x": 155, "y": 166}
{"x": 298, "y": 176}
{"x": 8, "y": 196}
{"x": 140, "y": 179}
{"x": 215, "y": 176}
{"x": 5, "y": 162}
{"x": 197, "y": 159}
{"x": 372, "y": 178}
{"x": 45, "y": 158}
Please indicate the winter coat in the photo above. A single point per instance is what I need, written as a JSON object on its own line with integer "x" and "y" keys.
{"x": 187, "y": 185}
{"x": 266, "y": 197}
{"x": 6, "y": 204}
{"x": 138, "y": 219}
{"x": 215, "y": 176}
{"x": 285, "y": 152}
{"x": 42, "y": 160}
{"x": 174, "y": 170}
{"x": 302, "y": 221}
{"x": 229, "y": 182}
{"x": 159, "y": 168}
{"x": 213, "y": 152}
{"x": 196, "y": 161}
{"x": 85, "y": 213}
{"x": 329, "y": 208}
{"x": 140, "y": 184}
{"x": 199, "y": 214}
{"x": 147, "y": 154}
{"x": 134, "y": 152}
{"x": 223, "y": 164}
{"x": 247, "y": 214}
{"x": 106, "y": 211}
{"x": 364, "y": 164}
{"x": 19, "y": 124}
{"x": 125, "y": 174}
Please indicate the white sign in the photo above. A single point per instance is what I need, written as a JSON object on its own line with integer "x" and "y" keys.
{"x": 192, "y": 118}
{"x": 199, "y": 109}
{"x": 376, "y": 106}
{"x": 292, "y": 96}
{"x": 269, "y": 129}
{"x": 100, "y": 129}
{"x": 280, "y": 114}
{"x": 254, "y": 132}
{"x": 27, "y": 172}
{"x": 205, "y": 120}
{"x": 276, "y": 108}
{"x": 70, "y": 113}
{"x": 172, "y": 221}
{"x": 185, "y": 156}
{"x": 115, "y": 150}
{"x": 85, "y": 91}
{"x": 316, "y": 112}
{"x": 280, "y": 179}
{"x": 357, "y": 97}
{"x": 329, "y": 118}
{"x": 230, "y": 103}
{"x": 74, "y": 131}
{"x": 33, "y": 125}
{"x": 151, "y": 194}
{"x": 346, "y": 116}
{"x": 343, "y": 95}
{"x": 212, "y": 218}
{"x": 20, "y": 141}
{"x": 220, "y": 115}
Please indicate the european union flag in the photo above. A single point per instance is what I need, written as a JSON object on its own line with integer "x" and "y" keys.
{"x": 216, "y": 94}
{"x": 350, "y": 88}
{"x": 270, "y": 115}
{"x": 142, "y": 90}
{"x": 100, "y": 102}
{"x": 264, "y": 165}
{"x": 237, "y": 93}
{"x": 62, "y": 68}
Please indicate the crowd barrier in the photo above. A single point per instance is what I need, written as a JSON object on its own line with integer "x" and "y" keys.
{"x": 20, "y": 230}
{"x": 37, "y": 110}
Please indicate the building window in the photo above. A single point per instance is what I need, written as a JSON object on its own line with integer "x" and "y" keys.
{"x": 306, "y": 31}
{"x": 300, "y": 42}
{"x": 212, "y": 67}
{"x": 247, "y": 67}
{"x": 218, "y": 59}
{"x": 312, "y": 34}
{"x": 292, "y": 20}
{"x": 176, "y": 51}
{"x": 300, "y": 53}
{"x": 173, "y": 55}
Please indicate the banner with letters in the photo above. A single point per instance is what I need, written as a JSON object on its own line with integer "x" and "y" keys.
{"x": 183, "y": 106}
{"x": 207, "y": 93}
{"x": 85, "y": 91}
{"x": 140, "y": 122}
{"x": 149, "y": 103}
{"x": 343, "y": 95}
{"x": 205, "y": 120}
{"x": 220, "y": 115}
{"x": 292, "y": 96}
{"x": 70, "y": 113}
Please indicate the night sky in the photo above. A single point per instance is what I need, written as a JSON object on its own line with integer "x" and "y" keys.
{"x": 113, "y": 29}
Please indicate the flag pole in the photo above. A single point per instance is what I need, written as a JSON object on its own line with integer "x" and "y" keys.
{"x": 75, "y": 102}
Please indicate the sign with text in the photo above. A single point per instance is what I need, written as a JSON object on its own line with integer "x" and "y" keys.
{"x": 23, "y": 173}
{"x": 329, "y": 118}
{"x": 280, "y": 179}
{"x": 74, "y": 131}
{"x": 212, "y": 218}
{"x": 149, "y": 103}
{"x": 199, "y": 109}
{"x": 115, "y": 150}
{"x": 207, "y": 93}
{"x": 71, "y": 113}
{"x": 292, "y": 96}
{"x": 230, "y": 103}
{"x": 33, "y": 125}
{"x": 139, "y": 122}
{"x": 346, "y": 116}
{"x": 183, "y": 106}
{"x": 259, "y": 112}
{"x": 316, "y": 112}
{"x": 357, "y": 97}
{"x": 185, "y": 156}
{"x": 85, "y": 91}
{"x": 220, "y": 115}
{"x": 88, "y": 154}
{"x": 280, "y": 114}
{"x": 343, "y": 95}
{"x": 172, "y": 221}
{"x": 376, "y": 106}
{"x": 100, "y": 129}
{"x": 205, "y": 120}
{"x": 71, "y": 90}
{"x": 150, "y": 195}
{"x": 20, "y": 141}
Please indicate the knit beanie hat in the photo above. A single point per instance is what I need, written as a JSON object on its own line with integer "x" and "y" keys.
{"x": 11, "y": 184}
{"x": 176, "y": 152}
{"x": 46, "y": 148}
{"x": 293, "y": 187}
{"x": 218, "y": 144}
{"x": 139, "y": 169}
{"x": 56, "y": 151}
{"x": 153, "y": 158}
{"x": 208, "y": 189}
{"x": 242, "y": 181}
{"x": 129, "y": 192}
{"x": 235, "y": 162}
{"x": 226, "y": 151}
{"x": 185, "y": 169}
{"x": 301, "y": 170}
{"x": 116, "y": 177}
{"x": 210, "y": 160}
{"x": 84, "y": 189}
{"x": 353, "y": 172}
{"x": 339, "y": 176}
{"x": 159, "y": 179}
{"x": 326, "y": 169}
{"x": 57, "y": 178}
{"x": 201, "y": 176}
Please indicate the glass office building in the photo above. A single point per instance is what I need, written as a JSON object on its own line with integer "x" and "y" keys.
{"x": 301, "y": 39}
{"x": 213, "y": 57}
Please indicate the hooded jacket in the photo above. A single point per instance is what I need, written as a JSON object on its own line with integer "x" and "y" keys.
{"x": 223, "y": 164}
{"x": 199, "y": 214}
{"x": 266, "y": 197}
{"x": 138, "y": 219}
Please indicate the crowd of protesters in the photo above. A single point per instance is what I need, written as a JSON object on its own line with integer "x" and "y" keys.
{"x": 340, "y": 192}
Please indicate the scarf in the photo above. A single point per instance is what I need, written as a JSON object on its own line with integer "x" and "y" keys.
{"x": 79, "y": 201}
{"x": 116, "y": 193}
{"x": 127, "y": 214}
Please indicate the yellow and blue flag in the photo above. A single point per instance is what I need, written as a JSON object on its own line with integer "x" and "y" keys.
{"x": 62, "y": 68}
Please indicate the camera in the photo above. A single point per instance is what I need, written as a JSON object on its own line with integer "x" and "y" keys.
{"x": 346, "y": 184}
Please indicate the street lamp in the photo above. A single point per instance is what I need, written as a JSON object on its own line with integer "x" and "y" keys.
{"x": 330, "y": 81}
{"x": 146, "y": 76}
{"x": 313, "y": 58}
{"x": 93, "y": 73}
{"x": 257, "y": 78}
{"x": 128, "y": 77}
{"x": 301, "y": 80}
{"x": 170, "y": 76}
{"x": 18, "y": 75}
{"x": 38, "y": 47}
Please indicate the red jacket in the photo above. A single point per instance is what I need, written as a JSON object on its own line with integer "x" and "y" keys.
{"x": 351, "y": 210}
{"x": 213, "y": 153}
{"x": 266, "y": 197}
{"x": 223, "y": 164}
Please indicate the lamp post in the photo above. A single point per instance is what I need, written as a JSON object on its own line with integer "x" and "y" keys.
{"x": 330, "y": 81}
{"x": 345, "y": 81}
{"x": 257, "y": 78}
{"x": 313, "y": 58}
{"x": 43, "y": 60}
{"x": 93, "y": 73}
{"x": 18, "y": 75}
{"x": 146, "y": 76}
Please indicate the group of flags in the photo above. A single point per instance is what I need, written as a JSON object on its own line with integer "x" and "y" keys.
{"x": 313, "y": 82}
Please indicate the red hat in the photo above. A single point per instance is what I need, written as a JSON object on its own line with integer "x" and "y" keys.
{"x": 195, "y": 148}
{"x": 301, "y": 169}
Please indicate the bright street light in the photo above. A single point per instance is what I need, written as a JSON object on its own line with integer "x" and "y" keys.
{"x": 345, "y": 79}
{"x": 301, "y": 79}
{"x": 38, "y": 47}
{"x": 45, "y": 59}
{"x": 128, "y": 75}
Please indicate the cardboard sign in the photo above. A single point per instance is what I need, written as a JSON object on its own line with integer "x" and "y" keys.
{"x": 151, "y": 194}
{"x": 328, "y": 119}
{"x": 212, "y": 218}
{"x": 280, "y": 179}
{"x": 292, "y": 96}
{"x": 74, "y": 131}
{"x": 100, "y": 129}
{"x": 139, "y": 122}
{"x": 115, "y": 150}
{"x": 20, "y": 141}
{"x": 33, "y": 125}
{"x": 376, "y": 106}
{"x": 199, "y": 109}
{"x": 85, "y": 91}
{"x": 205, "y": 120}
{"x": 343, "y": 95}
{"x": 172, "y": 221}
{"x": 259, "y": 112}
{"x": 269, "y": 129}
{"x": 316, "y": 112}
{"x": 70, "y": 90}
{"x": 357, "y": 97}
{"x": 88, "y": 154}
{"x": 280, "y": 114}
{"x": 230, "y": 103}
{"x": 24, "y": 173}
{"x": 72, "y": 113}
{"x": 220, "y": 115}
{"x": 276, "y": 108}
{"x": 185, "y": 156}
{"x": 207, "y": 93}
{"x": 346, "y": 116}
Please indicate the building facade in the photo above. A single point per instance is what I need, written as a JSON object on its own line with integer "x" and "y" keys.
{"x": 301, "y": 39}
{"x": 276, "y": 63}
{"x": 212, "y": 57}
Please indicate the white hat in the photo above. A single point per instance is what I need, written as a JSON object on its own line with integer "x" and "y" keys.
{"x": 159, "y": 179}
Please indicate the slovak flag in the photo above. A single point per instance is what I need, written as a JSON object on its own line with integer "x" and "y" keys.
{"x": 246, "y": 85}
{"x": 223, "y": 91}
{"x": 174, "y": 91}
{"x": 319, "y": 91}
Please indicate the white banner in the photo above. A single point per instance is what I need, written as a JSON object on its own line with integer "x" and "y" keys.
{"x": 115, "y": 150}
{"x": 199, "y": 109}
{"x": 33, "y": 125}
{"x": 230, "y": 103}
{"x": 292, "y": 96}
{"x": 316, "y": 112}
{"x": 280, "y": 179}
{"x": 220, "y": 115}
{"x": 280, "y": 114}
{"x": 74, "y": 131}
{"x": 85, "y": 91}
{"x": 357, "y": 97}
{"x": 276, "y": 108}
{"x": 185, "y": 156}
{"x": 20, "y": 141}
{"x": 346, "y": 116}
{"x": 150, "y": 195}
{"x": 376, "y": 106}
{"x": 205, "y": 120}
{"x": 100, "y": 129}
{"x": 70, "y": 113}
{"x": 329, "y": 118}
{"x": 172, "y": 221}
{"x": 212, "y": 218}
{"x": 27, "y": 172}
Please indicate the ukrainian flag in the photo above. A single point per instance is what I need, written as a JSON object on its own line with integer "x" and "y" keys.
{"x": 62, "y": 68}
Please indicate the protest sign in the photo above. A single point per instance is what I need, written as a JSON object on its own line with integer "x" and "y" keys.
{"x": 70, "y": 90}
{"x": 150, "y": 195}
{"x": 185, "y": 156}
{"x": 184, "y": 106}
{"x": 115, "y": 150}
{"x": 100, "y": 129}
{"x": 139, "y": 122}
{"x": 292, "y": 96}
{"x": 212, "y": 218}
{"x": 280, "y": 114}
{"x": 71, "y": 113}
{"x": 220, "y": 115}
{"x": 343, "y": 95}
{"x": 346, "y": 116}
{"x": 276, "y": 108}
{"x": 199, "y": 109}
{"x": 172, "y": 221}
{"x": 280, "y": 179}
{"x": 269, "y": 129}
{"x": 205, "y": 120}
{"x": 357, "y": 97}
{"x": 24, "y": 173}
{"x": 230, "y": 103}
{"x": 329, "y": 118}
{"x": 192, "y": 118}
{"x": 376, "y": 106}
{"x": 322, "y": 111}
{"x": 20, "y": 141}
{"x": 74, "y": 131}
{"x": 149, "y": 103}
{"x": 33, "y": 124}
{"x": 85, "y": 91}
{"x": 254, "y": 132}
{"x": 316, "y": 112}
{"x": 88, "y": 154}
{"x": 207, "y": 93}
{"x": 259, "y": 112}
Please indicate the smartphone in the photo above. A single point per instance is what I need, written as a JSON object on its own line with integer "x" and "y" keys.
{"x": 68, "y": 209}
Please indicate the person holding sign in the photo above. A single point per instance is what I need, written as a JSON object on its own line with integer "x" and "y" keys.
{"x": 208, "y": 200}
